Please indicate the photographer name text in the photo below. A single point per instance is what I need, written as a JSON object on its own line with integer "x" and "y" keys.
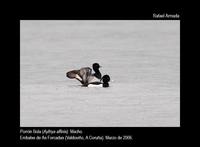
{"x": 166, "y": 15}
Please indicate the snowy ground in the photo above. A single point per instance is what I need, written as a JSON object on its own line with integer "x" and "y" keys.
{"x": 142, "y": 57}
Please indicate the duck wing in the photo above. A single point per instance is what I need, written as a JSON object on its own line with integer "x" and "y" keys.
{"x": 74, "y": 74}
{"x": 84, "y": 74}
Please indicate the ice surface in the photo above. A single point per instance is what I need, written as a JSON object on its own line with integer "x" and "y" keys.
{"x": 142, "y": 57}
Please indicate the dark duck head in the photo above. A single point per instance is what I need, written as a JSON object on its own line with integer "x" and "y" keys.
{"x": 97, "y": 73}
{"x": 105, "y": 79}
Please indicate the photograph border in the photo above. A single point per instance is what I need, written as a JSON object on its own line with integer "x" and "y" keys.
{"x": 140, "y": 134}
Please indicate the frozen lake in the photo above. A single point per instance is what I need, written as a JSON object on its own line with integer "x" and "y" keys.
{"x": 142, "y": 57}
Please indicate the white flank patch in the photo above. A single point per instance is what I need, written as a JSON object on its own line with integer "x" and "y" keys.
{"x": 94, "y": 85}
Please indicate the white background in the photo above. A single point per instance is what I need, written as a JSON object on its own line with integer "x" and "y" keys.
{"x": 142, "y": 57}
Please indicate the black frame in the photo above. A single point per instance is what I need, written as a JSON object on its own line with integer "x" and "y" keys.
{"x": 140, "y": 135}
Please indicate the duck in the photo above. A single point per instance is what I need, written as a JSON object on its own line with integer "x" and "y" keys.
{"x": 103, "y": 82}
{"x": 85, "y": 75}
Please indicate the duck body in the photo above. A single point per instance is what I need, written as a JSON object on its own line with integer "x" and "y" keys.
{"x": 103, "y": 82}
{"x": 85, "y": 75}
